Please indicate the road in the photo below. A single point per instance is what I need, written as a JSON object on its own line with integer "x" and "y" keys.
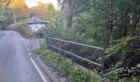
{"x": 15, "y": 63}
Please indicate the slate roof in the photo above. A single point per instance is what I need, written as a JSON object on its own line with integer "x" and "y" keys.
{"x": 35, "y": 20}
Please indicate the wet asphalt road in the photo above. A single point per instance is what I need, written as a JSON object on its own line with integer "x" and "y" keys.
{"x": 15, "y": 64}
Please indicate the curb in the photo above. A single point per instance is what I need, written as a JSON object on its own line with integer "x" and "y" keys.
{"x": 51, "y": 76}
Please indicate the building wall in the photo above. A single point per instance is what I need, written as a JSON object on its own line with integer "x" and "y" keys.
{"x": 36, "y": 27}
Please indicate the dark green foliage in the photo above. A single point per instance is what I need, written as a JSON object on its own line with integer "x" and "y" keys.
{"x": 88, "y": 23}
{"x": 105, "y": 23}
{"x": 80, "y": 76}
{"x": 123, "y": 58}
{"x": 125, "y": 50}
{"x": 126, "y": 18}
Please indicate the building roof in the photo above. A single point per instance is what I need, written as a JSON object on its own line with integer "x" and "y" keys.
{"x": 35, "y": 20}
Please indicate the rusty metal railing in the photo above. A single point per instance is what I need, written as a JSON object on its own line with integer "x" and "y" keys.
{"x": 73, "y": 50}
{"x": 88, "y": 55}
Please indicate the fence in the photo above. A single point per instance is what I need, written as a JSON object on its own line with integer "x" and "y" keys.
{"x": 86, "y": 55}
{"x": 91, "y": 57}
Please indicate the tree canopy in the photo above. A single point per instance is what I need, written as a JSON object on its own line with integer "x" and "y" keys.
{"x": 44, "y": 11}
{"x": 18, "y": 4}
{"x": 19, "y": 9}
{"x": 112, "y": 24}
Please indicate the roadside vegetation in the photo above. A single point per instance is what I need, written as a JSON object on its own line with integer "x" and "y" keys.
{"x": 59, "y": 62}
{"x": 122, "y": 62}
{"x": 111, "y": 24}
{"x": 20, "y": 28}
{"x": 13, "y": 15}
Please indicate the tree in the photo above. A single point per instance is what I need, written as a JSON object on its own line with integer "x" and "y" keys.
{"x": 3, "y": 5}
{"x": 126, "y": 18}
{"x": 18, "y": 8}
{"x": 5, "y": 2}
{"x": 67, "y": 7}
{"x": 105, "y": 23}
{"x": 44, "y": 11}
{"x": 4, "y": 13}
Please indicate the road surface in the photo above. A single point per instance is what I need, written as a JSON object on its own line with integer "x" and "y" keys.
{"x": 15, "y": 63}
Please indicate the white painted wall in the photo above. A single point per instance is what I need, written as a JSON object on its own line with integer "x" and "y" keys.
{"x": 36, "y": 27}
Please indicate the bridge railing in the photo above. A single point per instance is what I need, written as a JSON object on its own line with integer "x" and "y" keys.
{"x": 91, "y": 57}
{"x": 86, "y": 55}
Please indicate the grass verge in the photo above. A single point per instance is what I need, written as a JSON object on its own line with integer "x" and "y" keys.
{"x": 75, "y": 74}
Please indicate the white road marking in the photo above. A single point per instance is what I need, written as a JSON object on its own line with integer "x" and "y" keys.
{"x": 38, "y": 70}
{"x": 28, "y": 49}
{"x": 29, "y": 54}
{"x": 34, "y": 64}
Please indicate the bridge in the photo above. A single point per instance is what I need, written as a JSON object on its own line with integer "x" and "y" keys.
{"x": 89, "y": 56}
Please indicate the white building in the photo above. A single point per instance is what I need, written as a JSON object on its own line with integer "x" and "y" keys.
{"x": 35, "y": 24}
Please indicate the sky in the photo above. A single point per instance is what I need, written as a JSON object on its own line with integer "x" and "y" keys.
{"x": 32, "y": 3}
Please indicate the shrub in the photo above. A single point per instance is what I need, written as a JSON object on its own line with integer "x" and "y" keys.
{"x": 21, "y": 28}
{"x": 123, "y": 58}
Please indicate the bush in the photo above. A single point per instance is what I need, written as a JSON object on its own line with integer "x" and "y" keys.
{"x": 123, "y": 59}
{"x": 21, "y": 28}
{"x": 78, "y": 75}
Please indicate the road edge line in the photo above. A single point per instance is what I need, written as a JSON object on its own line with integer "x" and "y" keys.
{"x": 38, "y": 70}
{"x": 35, "y": 65}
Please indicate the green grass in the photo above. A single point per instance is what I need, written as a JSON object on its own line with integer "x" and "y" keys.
{"x": 75, "y": 74}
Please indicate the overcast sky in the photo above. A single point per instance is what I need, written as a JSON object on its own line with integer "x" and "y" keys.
{"x": 32, "y": 3}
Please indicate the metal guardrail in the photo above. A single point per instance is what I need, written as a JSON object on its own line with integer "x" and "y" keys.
{"x": 95, "y": 47}
{"x": 75, "y": 55}
{"x": 79, "y": 57}
{"x": 100, "y": 65}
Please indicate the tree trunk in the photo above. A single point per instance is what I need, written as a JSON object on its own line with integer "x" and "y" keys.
{"x": 67, "y": 6}
{"x": 69, "y": 24}
{"x": 137, "y": 20}
{"x": 110, "y": 22}
{"x": 125, "y": 26}
{"x": 70, "y": 14}
{"x": 15, "y": 20}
